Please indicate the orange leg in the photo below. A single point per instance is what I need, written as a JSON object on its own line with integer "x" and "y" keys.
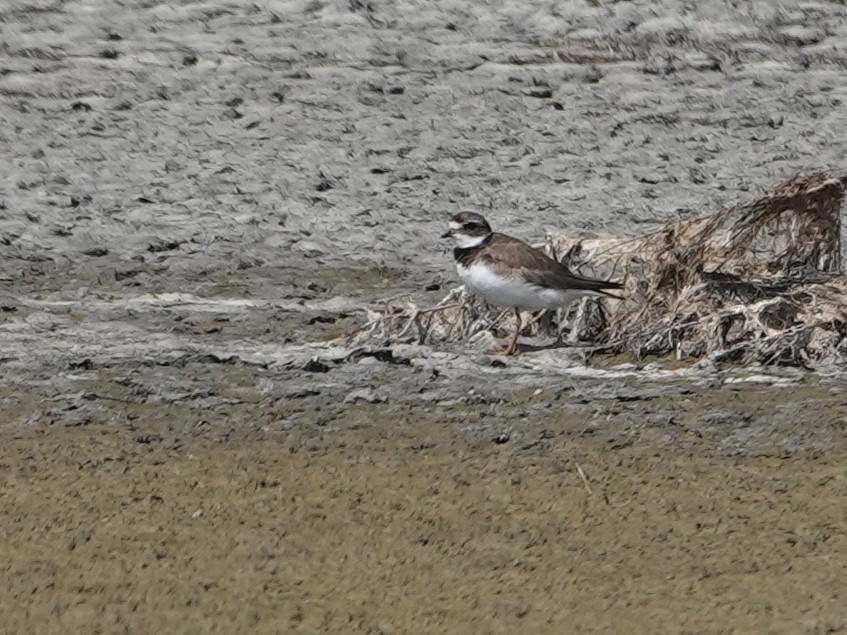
{"x": 513, "y": 344}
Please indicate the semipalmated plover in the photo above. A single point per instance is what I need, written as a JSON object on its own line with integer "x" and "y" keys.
{"x": 507, "y": 272}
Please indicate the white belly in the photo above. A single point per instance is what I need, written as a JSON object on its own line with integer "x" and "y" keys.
{"x": 513, "y": 291}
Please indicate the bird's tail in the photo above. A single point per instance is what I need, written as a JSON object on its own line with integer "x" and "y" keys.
{"x": 601, "y": 287}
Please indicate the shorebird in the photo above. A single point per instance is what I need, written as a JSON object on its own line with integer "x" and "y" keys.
{"x": 507, "y": 272}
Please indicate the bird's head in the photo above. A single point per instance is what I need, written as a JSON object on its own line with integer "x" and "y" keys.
{"x": 468, "y": 229}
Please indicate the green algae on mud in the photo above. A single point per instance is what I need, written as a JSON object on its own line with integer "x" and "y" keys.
{"x": 339, "y": 527}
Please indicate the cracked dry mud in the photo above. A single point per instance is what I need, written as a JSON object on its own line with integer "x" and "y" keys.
{"x": 193, "y": 192}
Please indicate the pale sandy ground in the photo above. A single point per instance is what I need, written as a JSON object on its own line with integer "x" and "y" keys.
{"x": 189, "y": 192}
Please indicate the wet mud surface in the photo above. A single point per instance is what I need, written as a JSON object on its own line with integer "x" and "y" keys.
{"x": 196, "y": 195}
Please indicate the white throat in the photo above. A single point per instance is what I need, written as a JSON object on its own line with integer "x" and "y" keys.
{"x": 463, "y": 241}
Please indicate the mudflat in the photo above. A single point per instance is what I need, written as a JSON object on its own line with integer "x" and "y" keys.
{"x": 196, "y": 196}
{"x": 481, "y": 515}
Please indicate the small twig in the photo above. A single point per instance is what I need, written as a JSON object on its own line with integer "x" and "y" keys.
{"x": 499, "y": 317}
{"x": 440, "y": 307}
{"x": 583, "y": 477}
{"x": 412, "y": 320}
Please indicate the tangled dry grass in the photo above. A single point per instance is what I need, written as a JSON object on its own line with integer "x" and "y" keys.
{"x": 758, "y": 282}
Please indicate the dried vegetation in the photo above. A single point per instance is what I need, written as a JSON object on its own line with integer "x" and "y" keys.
{"x": 758, "y": 282}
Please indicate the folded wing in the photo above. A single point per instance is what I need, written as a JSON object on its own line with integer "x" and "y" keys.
{"x": 539, "y": 269}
